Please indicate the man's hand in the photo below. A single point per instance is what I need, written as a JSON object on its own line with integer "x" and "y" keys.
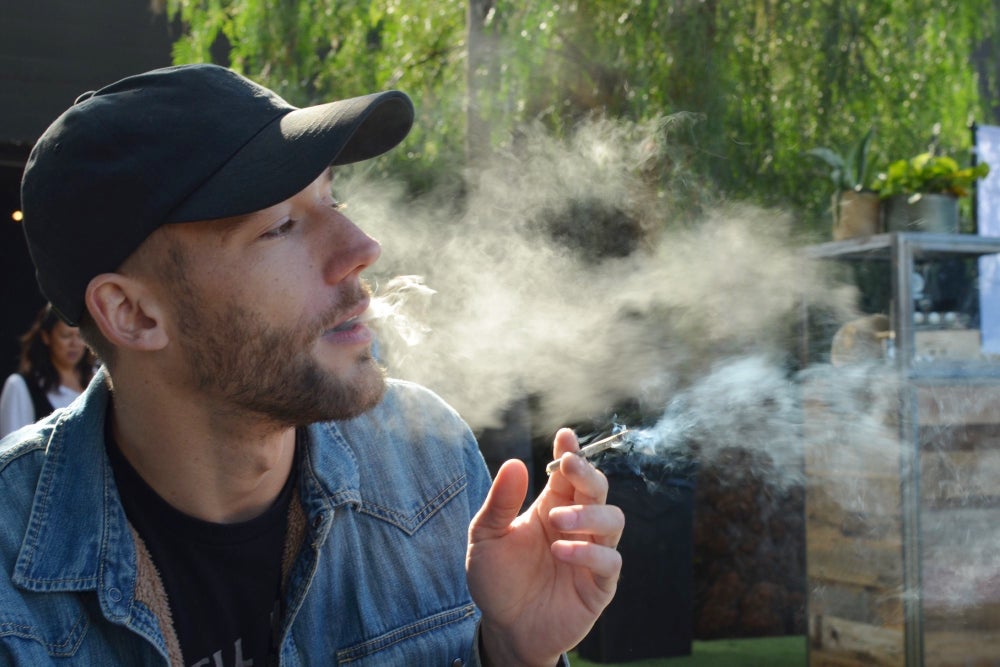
{"x": 541, "y": 579}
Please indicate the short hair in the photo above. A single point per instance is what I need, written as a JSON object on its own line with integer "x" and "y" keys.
{"x": 157, "y": 255}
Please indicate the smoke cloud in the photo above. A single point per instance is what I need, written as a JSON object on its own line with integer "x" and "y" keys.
{"x": 563, "y": 278}
{"x": 566, "y": 277}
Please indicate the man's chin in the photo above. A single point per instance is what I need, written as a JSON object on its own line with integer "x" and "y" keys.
{"x": 312, "y": 395}
{"x": 370, "y": 387}
{"x": 349, "y": 398}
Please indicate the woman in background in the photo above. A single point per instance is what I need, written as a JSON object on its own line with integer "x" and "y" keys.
{"x": 55, "y": 367}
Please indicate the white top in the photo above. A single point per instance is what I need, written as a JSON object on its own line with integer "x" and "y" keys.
{"x": 16, "y": 408}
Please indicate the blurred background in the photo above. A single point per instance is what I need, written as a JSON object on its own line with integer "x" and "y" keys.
{"x": 602, "y": 218}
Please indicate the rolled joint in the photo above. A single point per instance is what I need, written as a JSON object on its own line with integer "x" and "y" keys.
{"x": 591, "y": 451}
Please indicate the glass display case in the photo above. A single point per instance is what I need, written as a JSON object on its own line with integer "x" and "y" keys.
{"x": 902, "y": 490}
{"x": 940, "y": 293}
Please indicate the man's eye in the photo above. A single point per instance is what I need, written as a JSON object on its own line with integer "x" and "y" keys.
{"x": 280, "y": 230}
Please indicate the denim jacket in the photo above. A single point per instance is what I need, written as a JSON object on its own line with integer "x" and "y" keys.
{"x": 375, "y": 572}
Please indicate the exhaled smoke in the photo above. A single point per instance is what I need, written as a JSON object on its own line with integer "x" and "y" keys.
{"x": 744, "y": 402}
{"x": 400, "y": 311}
{"x": 564, "y": 276}
{"x": 564, "y": 279}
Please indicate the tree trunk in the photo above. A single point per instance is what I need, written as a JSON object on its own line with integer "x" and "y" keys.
{"x": 478, "y": 67}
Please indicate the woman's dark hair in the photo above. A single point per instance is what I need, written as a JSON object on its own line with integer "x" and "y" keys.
{"x": 36, "y": 360}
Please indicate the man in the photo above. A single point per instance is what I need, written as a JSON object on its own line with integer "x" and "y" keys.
{"x": 240, "y": 485}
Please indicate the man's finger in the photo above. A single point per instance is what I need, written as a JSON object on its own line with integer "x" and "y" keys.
{"x": 585, "y": 482}
{"x": 602, "y": 523}
{"x": 565, "y": 441}
{"x": 604, "y": 563}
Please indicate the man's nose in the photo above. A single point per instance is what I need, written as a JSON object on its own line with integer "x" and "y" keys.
{"x": 350, "y": 250}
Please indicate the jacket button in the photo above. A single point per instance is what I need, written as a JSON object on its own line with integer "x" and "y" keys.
{"x": 457, "y": 662}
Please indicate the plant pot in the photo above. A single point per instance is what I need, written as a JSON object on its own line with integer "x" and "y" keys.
{"x": 922, "y": 213}
{"x": 855, "y": 214}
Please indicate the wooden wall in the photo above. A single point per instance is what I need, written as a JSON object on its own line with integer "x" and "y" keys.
{"x": 854, "y": 563}
{"x": 856, "y": 471}
{"x": 959, "y": 439}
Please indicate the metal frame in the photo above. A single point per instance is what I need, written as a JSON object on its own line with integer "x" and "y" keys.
{"x": 902, "y": 250}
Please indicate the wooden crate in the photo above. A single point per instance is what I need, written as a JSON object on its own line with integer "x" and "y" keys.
{"x": 857, "y": 469}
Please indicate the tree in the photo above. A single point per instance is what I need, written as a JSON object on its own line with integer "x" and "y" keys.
{"x": 769, "y": 79}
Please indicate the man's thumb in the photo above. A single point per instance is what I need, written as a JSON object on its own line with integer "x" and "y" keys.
{"x": 503, "y": 502}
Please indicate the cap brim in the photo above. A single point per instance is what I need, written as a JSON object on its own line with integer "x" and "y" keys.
{"x": 291, "y": 151}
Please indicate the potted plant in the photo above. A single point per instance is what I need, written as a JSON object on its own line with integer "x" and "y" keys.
{"x": 922, "y": 193}
{"x": 855, "y": 204}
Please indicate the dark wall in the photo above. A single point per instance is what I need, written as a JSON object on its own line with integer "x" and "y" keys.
{"x": 51, "y": 51}
{"x": 18, "y": 292}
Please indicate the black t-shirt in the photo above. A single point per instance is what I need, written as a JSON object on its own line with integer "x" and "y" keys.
{"x": 223, "y": 581}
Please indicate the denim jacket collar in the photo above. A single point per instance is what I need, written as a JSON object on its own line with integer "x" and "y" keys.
{"x": 341, "y": 479}
{"x": 77, "y": 518}
{"x": 422, "y": 476}
{"x": 72, "y": 523}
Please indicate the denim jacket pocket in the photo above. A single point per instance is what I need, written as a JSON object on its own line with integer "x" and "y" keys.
{"x": 59, "y": 628}
{"x": 410, "y": 520}
{"x": 444, "y": 632}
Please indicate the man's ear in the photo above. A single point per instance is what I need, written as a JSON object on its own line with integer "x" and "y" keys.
{"x": 126, "y": 312}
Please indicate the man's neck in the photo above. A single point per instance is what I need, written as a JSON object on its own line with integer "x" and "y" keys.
{"x": 216, "y": 468}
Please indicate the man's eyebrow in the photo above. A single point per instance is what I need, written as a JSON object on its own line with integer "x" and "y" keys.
{"x": 226, "y": 226}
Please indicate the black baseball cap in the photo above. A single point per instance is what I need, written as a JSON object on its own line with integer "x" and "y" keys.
{"x": 178, "y": 144}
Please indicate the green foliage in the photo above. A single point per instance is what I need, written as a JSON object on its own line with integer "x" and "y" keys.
{"x": 312, "y": 51}
{"x": 809, "y": 74}
{"x": 929, "y": 174}
{"x": 850, "y": 171}
{"x": 768, "y": 78}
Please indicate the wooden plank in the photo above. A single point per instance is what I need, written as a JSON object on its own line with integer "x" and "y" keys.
{"x": 853, "y": 523}
{"x": 860, "y": 439}
{"x": 832, "y": 557}
{"x": 820, "y": 658}
{"x": 825, "y": 511}
{"x": 833, "y": 638}
{"x": 959, "y": 437}
{"x": 961, "y": 567}
{"x": 958, "y": 404}
{"x": 863, "y": 452}
{"x": 977, "y": 618}
{"x": 862, "y": 604}
{"x": 869, "y": 495}
{"x": 962, "y": 649}
{"x": 967, "y": 477}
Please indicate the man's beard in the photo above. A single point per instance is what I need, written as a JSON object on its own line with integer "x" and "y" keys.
{"x": 269, "y": 372}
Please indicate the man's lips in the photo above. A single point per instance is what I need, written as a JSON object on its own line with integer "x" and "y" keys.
{"x": 357, "y": 316}
{"x": 344, "y": 326}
